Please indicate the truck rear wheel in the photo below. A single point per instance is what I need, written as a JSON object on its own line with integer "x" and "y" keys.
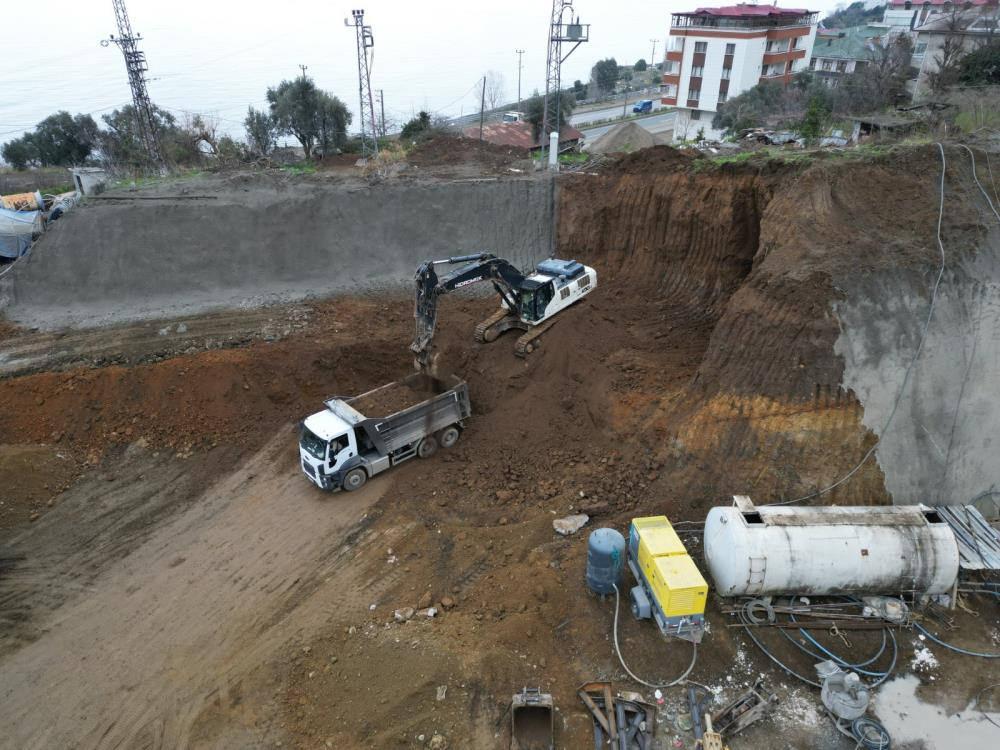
{"x": 428, "y": 447}
{"x": 448, "y": 436}
{"x": 354, "y": 480}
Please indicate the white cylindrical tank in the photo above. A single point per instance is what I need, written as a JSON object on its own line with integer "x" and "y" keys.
{"x": 763, "y": 551}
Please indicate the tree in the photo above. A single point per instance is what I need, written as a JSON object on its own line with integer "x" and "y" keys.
{"x": 261, "y": 132}
{"x": 417, "y": 126}
{"x": 311, "y": 115}
{"x": 604, "y": 75}
{"x": 64, "y": 140}
{"x": 640, "y": 65}
{"x": 981, "y": 67}
{"x": 579, "y": 90}
{"x": 882, "y": 80}
{"x": 812, "y": 123}
{"x": 60, "y": 140}
{"x": 20, "y": 152}
{"x": 494, "y": 91}
{"x": 950, "y": 54}
{"x": 534, "y": 109}
{"x": 121, "y": 143}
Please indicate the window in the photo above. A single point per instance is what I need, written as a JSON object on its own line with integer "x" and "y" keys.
{"x": 701, "y": 46}
{"x": 920, "y": 49}
{"x": 841, "y": 67}
{"x": 722, "y": 97}
{"x": 668, "y": 67}
{"x": 795, "y": 42}
{"x": 812, "y": 64}
{"x": 827, "y": 65}
{"x": 564, "y": 292}
{"x": 678, "y": 43}
{"x": 730, "y": 49}
{"x": 697, "y": 71}
{"x": 695, "y": 114}
{"x": 670, "y": 90}
{"x": 726, "y": 72}
{"x": 777, "y": 46}
{"x": 694, "y": 95}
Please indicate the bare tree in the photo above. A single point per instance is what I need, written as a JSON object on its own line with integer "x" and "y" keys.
{"x": 494, "y": 90}
{"x": 951, "y": 53}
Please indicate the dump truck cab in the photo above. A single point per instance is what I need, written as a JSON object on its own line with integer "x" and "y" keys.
{"x": 327, "y": 444}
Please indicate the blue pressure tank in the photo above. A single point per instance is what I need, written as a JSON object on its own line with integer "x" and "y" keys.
{"x": 605, "y": 560}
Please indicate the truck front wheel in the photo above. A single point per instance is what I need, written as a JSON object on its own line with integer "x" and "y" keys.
{"x": 354, "y": 480}
{"x": 428, "y": 447}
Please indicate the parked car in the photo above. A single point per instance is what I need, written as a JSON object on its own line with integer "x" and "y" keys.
{"x": 643, "y": 105}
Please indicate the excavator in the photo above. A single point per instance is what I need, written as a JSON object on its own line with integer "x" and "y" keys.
{"x": 527, "y": 303}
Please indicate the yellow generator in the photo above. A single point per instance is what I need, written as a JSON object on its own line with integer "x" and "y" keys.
{"x": 671, "y": 590}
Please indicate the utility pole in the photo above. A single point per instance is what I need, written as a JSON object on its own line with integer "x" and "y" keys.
{"x": 652, "y": 55}
{"x": 136, "y": 67}
{"x": 482, "y": 109}
{"x": 303, "y": 68}
{"x": 520, "y": 66}
{"x": 381, "y": 101}
{"x": 366, "y": 110}
{"x": 559, "y": 31}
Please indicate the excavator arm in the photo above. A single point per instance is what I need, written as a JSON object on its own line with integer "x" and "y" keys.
{"x": 473, "y": 269}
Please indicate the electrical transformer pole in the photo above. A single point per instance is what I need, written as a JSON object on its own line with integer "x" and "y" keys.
{"x": 369, "y": 130}
{"x": 559, "y": 31}
{"x": 136, "y": 67}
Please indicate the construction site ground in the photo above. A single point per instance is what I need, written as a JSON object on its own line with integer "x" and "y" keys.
{"x": 170, "y": 578}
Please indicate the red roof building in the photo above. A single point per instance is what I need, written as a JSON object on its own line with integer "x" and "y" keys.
{"x": 521, "y": 135}
{"x": 718, "y": 53}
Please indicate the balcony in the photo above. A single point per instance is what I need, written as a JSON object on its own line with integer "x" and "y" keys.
{"x": 694, "y": 21}
{"x": 788, "y": 54}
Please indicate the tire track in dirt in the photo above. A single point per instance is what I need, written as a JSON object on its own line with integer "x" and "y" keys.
{"x": 178, "y": 623}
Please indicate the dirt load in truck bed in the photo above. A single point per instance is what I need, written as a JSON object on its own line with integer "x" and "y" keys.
{"x": 396, "y": 397}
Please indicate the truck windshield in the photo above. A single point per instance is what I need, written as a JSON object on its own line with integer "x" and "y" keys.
{"x": 313, "y": 444}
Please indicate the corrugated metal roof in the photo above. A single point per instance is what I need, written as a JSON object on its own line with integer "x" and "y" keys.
{"x": 517, "y": 134}
{"x": 978, "y": 542}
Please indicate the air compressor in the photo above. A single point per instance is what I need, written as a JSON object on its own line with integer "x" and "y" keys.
{"x": 670, "y": 589}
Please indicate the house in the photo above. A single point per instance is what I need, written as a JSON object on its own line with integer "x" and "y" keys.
{"x": 840, "y": 52}
{"x": 961, "y": 30}
{"x": 522, "y": 135}
{"x": 906, "y": 15}
{"x": 718, "y": 53}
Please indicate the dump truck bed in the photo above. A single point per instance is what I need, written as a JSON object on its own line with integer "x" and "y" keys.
{"x": 414, "y": 407}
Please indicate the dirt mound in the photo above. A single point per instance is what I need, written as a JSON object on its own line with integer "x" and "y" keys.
{"x": 448, "y": 150}
{"x": 657, "y": 158}
{"x": 626, "y": 137}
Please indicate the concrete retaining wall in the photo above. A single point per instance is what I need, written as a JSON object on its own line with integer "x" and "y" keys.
{"x": 939, "y": 446}
{"x": 119, "y": 260}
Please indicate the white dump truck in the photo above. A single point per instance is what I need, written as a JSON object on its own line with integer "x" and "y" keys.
{"x": 356, "y": 438}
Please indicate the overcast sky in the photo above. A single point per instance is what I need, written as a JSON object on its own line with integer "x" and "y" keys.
{"x": 216, "y": 58}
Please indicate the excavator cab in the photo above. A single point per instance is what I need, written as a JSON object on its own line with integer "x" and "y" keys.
{"x": 535, "y": 297}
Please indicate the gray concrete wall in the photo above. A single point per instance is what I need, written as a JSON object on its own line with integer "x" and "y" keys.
{"x": 942, "y": 445}
{"x": 120, "y": 260}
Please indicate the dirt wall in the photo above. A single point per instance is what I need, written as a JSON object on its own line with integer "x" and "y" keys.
{"x": 249, "y": 242}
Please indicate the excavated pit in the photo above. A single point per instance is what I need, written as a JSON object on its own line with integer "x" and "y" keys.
{"x": 737, "y": 344}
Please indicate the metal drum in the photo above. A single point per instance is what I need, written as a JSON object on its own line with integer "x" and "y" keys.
{"x": 605, "y": 560}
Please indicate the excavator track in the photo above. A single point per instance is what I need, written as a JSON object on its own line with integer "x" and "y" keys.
{"x": 530, "y": 341}
{"x": 491, "y": 328}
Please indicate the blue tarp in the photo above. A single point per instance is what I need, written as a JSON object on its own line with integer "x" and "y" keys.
{"x": 16, "y": 231}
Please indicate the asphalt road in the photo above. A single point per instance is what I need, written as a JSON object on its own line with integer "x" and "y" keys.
{"x": 654, "y": 124}
{"x": 605, "y": 114}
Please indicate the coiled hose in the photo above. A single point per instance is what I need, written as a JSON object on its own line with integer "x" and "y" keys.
{"x": 673, "y": 683}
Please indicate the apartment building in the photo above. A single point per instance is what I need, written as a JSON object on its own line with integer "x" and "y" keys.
{"x": 717, "y": 53}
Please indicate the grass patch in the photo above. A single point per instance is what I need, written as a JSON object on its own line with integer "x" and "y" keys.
{"x": 297, "y": 170}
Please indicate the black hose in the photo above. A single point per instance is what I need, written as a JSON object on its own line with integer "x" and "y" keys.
{"x": 870, "y": 734}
